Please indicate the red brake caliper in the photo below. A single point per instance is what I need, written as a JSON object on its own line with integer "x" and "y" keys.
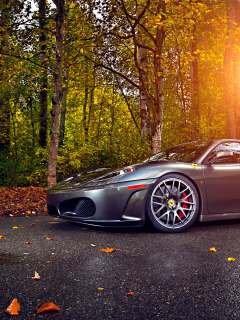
{"x": 181, "y": 215}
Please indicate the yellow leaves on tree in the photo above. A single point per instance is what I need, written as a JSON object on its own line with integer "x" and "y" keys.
{"x": 108, "y": 250}
{"x": 13, "y": 308}
{"x": 48, "y": 306}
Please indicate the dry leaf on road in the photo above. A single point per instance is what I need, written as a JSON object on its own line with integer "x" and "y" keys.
{"x": 36, "y": 276}
{"x": 231, "y": 259}
{"x": 13, "y": 308}
{"x": 108, "y": 250}
{"x": 212, "y": 250}
{"x": 48, "y": 306}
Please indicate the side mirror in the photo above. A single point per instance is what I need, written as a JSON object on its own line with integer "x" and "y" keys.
{"x": 219, "y": 154}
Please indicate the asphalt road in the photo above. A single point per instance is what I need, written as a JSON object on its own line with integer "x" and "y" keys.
{"x": 171, "y": 276}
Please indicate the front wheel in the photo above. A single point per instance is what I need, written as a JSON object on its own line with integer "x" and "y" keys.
{"x": 172, "y": 203}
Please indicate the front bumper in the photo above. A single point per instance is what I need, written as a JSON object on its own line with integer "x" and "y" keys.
{"x": 109, "y": 205}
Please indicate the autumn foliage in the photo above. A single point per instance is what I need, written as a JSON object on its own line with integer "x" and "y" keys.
{"x": 17, "y": 202}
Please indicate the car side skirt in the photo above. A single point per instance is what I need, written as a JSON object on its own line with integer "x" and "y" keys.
{"x": 218, "y": 216}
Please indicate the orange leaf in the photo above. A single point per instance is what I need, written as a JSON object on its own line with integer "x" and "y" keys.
{"x": 36, "y": 276}
{"x": 13, "y": 308}
{"x": 108, "y": 250}
{"x": 1, "y": 237}
{"x": 48, "y": 306}
{"x": 49, "y": 238}
{"x": 129, "y": 294}
{"x": 49, "y": 261}
{"x": 28, "y": 242}
{"x": 212, "y": 250}
{"x": 32, "y": 224}
{"x": 28, "y": 212}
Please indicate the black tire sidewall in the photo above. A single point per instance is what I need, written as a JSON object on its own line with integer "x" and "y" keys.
{"x": 153, "y": 220}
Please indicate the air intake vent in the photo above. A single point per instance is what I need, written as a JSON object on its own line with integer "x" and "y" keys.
{"x": 78, "y": 207}
{"x": 85, "y": 208}
{"x": 52, "y": 211}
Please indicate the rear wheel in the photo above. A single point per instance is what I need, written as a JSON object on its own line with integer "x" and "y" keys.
{"x": 172, "y": 203}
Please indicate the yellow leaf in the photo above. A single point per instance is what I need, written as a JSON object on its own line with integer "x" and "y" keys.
{"x": 100, "y": 288}
{"x": 231, "y": 259}
{"x": 212, "y": 250}
{"x": 15, "y": 227}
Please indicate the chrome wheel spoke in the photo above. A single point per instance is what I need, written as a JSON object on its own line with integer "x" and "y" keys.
{"x": 187, "y": 202}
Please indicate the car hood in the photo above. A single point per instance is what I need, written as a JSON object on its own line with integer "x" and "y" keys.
{"x": 105, "y": 176}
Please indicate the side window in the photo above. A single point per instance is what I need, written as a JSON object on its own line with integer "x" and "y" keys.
{"x": 228, "y": 146}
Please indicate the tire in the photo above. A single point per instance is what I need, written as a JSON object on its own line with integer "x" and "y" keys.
{"x": 172, "y": 203}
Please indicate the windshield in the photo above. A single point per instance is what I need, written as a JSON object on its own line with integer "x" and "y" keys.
{"x": 185, "y": 152}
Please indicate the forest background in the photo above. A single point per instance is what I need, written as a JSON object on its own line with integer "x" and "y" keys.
{"x": 92, "y": 83}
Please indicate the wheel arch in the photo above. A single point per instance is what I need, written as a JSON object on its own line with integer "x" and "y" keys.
{"x": 189, "y": 178}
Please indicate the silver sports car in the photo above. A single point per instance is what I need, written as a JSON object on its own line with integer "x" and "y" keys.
{"x": 199, "y": 179}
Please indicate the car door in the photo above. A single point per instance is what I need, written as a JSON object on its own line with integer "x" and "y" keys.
{"x": 222, "y": 180}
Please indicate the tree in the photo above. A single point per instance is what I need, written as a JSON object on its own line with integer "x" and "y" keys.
{"x": 53, "y": 151}
{"x": 43, "y": 76}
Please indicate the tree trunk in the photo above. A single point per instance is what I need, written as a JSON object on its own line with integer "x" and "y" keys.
{"x": 85, "y": 123}
{"x": 4, "y": 101}
{"x": 236, "y": 73}
{"x": 52, "y": 160}
{"x": 65, "y": 88}
{"x": 159, "y": 98}
{"x": 145, "y": 101}
{"x": 43, "y": 76}
{"x": 195, "y": 114}
{"x": 227, "y": 71}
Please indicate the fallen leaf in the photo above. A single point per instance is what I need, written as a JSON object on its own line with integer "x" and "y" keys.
{"x": 28, "y": 242}
{"x": 32, "y": 224}
{"x": 84, "y": 228}
{"x": 1, "y": 237}
{"x": 49, "y": 238}
{"x": 49, "y": 261}
{"x": 37, "y": 220}
{"x": 100, "y": 288}
{"x": 28, "y": 212}
{"x": 231, "y": 259}
{"x": 22, "y": 225}
{"x": 129, "y": 294}
{"x": 48, "y": 306}
{"x": 93, "y": 245}
{"x": 212, "y": 250}
{"x": 53, "y": 222}
{"x": 108, "y": 250}
{"x": 1, "y": 258}
{"x": 13, "y": 308}
{"x": 15, "y": 227}
{"x": 36, "y": 276}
